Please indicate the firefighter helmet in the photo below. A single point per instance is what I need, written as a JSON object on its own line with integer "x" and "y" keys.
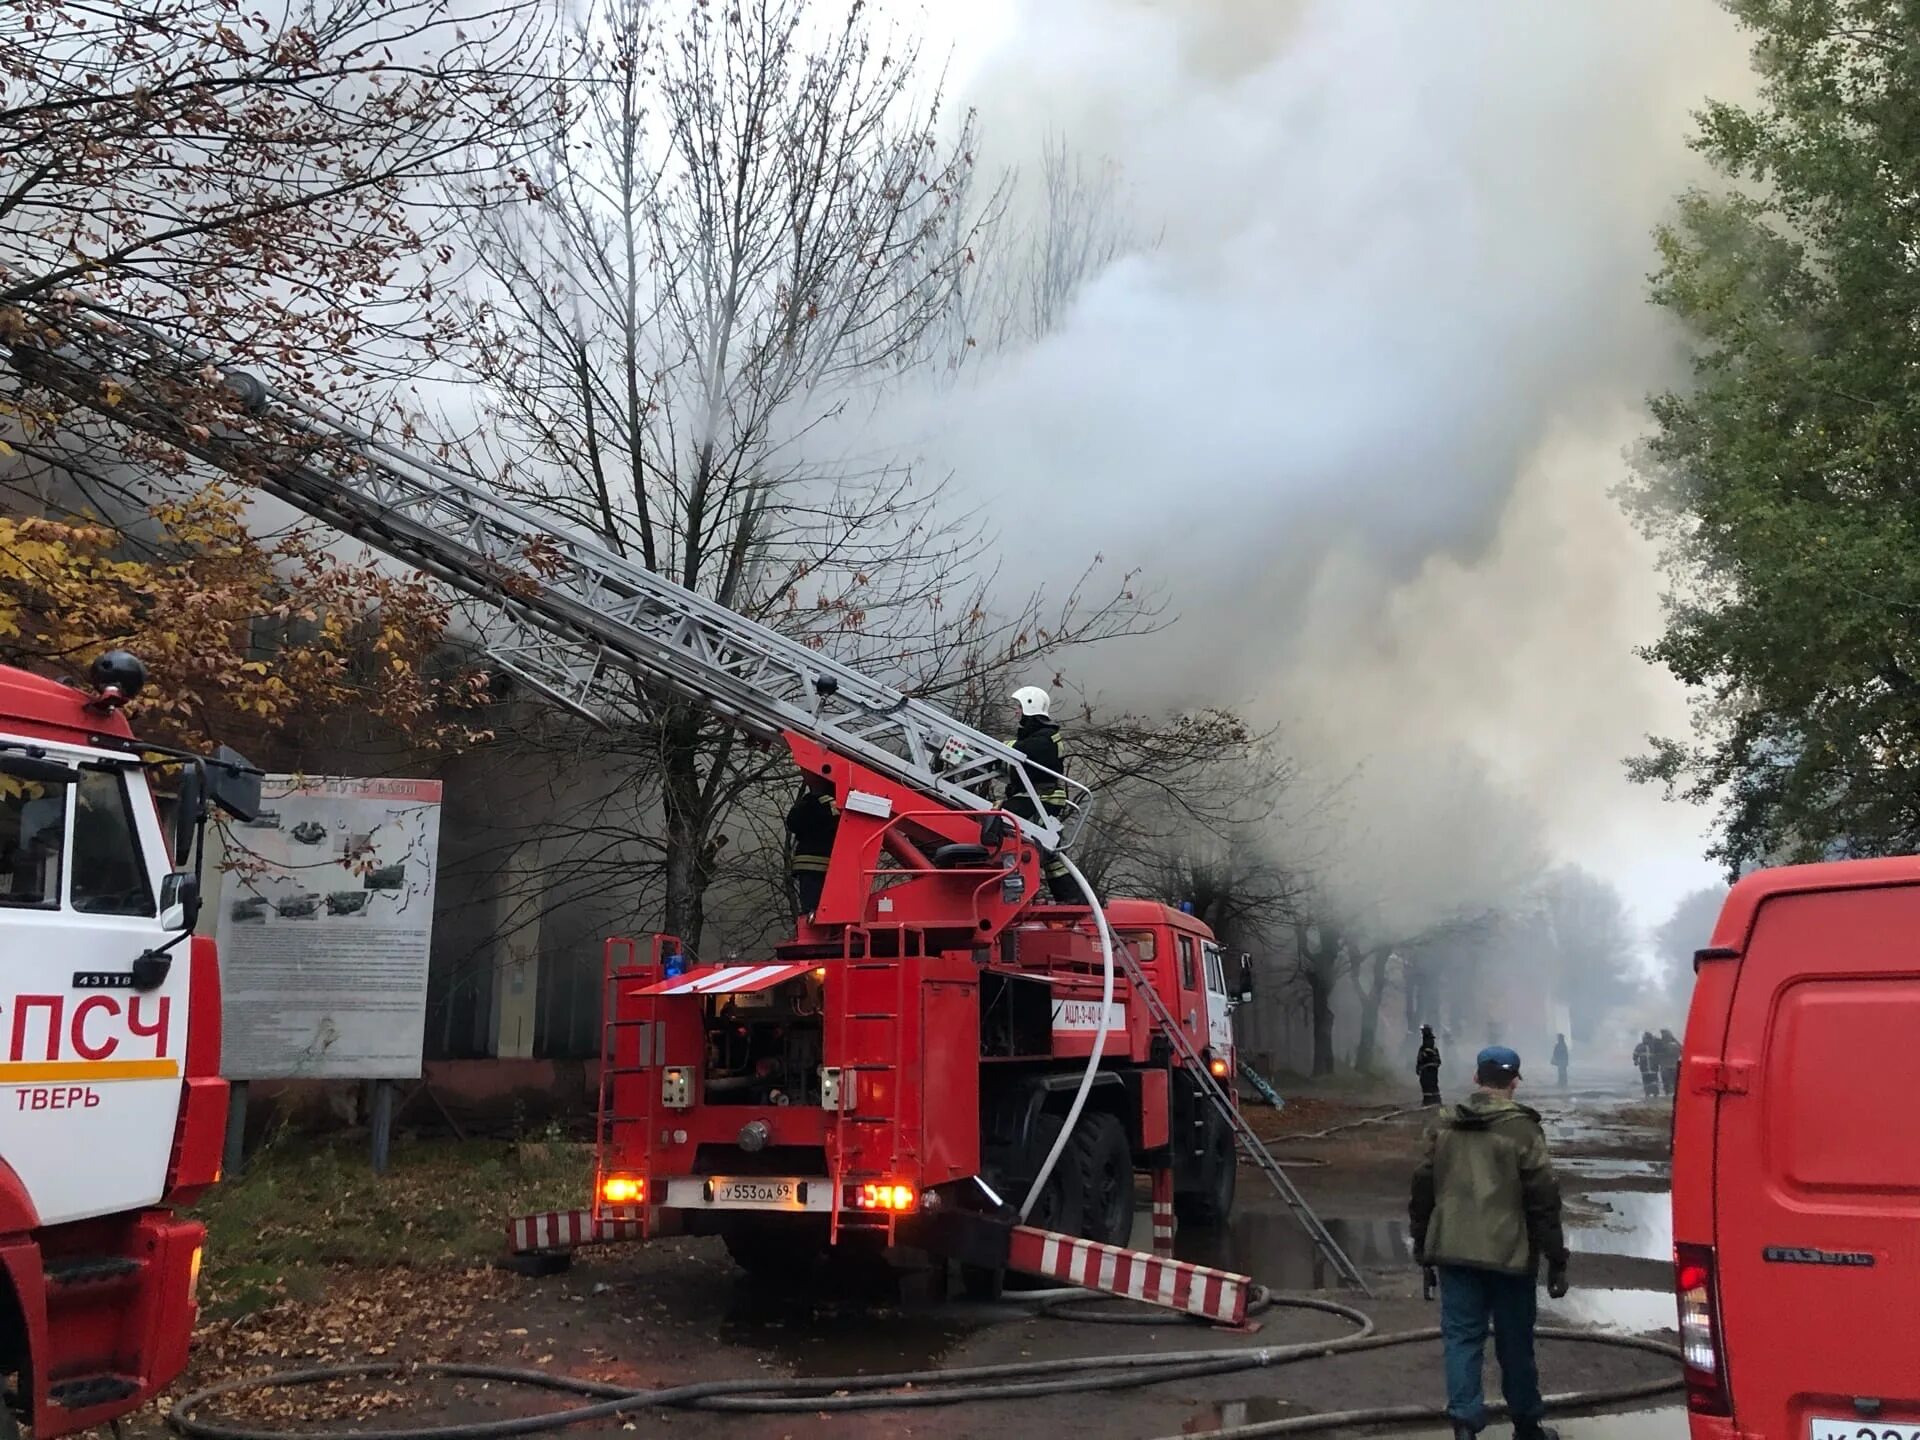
{"x": 1032, "y": 700}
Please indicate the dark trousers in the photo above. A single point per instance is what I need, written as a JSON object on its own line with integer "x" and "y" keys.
{"x": 1430, "y": 1086}
{"x": 1669, "y": 1079}
{"x": 1650, "y": 1081}
{"x": 807, "y": 885}
{"x": 1469, "y": 1299}
{"x": 1563, "y": 1075}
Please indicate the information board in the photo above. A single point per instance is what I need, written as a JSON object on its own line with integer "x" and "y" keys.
{"x": 325, "y": 923}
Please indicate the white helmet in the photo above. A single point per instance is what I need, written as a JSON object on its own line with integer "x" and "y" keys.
{"x": 1032, "y": 700}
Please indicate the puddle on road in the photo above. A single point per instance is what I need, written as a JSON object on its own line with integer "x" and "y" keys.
{"x": 1638, "y": 1223}
{"x": 1611, "y": 1167}
{"x": 838, "y": 1334}
{"x": 1271, "y": 1246}
{"x": 1625, "y": 1312}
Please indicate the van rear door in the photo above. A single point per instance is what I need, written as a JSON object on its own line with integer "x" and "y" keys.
{"x": 1817, "y": 1166}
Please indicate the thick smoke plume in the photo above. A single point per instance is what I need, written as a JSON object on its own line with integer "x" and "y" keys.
{"x": 1358, "y": 407}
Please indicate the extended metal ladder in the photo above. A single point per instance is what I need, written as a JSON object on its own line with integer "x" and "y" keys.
{"x": 1249, "y": 1142}
{"x": 561, "y": 612}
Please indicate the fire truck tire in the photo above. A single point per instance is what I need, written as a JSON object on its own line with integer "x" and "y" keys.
{"x": 1210, "y": 1202}
{"x": 1100, "y": 1153}
{"x": 983, "y": 1282}
{"x": 1061, "y": 1204}
{"x": 774, "y": 1251}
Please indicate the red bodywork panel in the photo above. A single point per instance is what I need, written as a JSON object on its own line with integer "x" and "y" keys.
{"x": 45, "y": 710}
{"x": 1792, "y": 1145}
{"x": 134, "y": 1326}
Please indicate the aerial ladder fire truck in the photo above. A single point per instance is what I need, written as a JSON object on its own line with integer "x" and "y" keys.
{"x": 112, "y": 1107}
{"x": 936, "y": 1059}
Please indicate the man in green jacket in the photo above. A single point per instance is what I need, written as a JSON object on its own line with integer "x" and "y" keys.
{"x": 1486, "y": 1210}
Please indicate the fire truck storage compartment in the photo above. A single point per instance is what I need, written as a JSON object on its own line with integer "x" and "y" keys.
{"x": 1016, "y": 1016}
{"x": 764, "y": 1046}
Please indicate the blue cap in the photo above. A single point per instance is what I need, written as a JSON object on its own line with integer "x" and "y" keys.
{"x": 1498, "y": 1057}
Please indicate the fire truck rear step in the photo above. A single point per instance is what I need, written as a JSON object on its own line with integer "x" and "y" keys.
{"x": 83, "y": 1392}
{"x": 72, "y": 1272}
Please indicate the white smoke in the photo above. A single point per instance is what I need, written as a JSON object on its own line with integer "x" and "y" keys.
{"x": 1359, "y": 410}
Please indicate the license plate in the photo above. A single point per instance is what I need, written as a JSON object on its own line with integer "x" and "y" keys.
{"x": 1861, "y": 1430}
{"x": 778, "y": 1193}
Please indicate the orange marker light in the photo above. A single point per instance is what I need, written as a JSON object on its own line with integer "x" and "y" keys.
{"x": 820, "y": 972}
{"x": 884, "y": 1196}
{"x": 1219, "y": 1068}
{"x": 623, "y": 1189}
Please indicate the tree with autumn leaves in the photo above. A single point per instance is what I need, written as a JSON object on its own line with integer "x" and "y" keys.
{"x": 268, "y": 186}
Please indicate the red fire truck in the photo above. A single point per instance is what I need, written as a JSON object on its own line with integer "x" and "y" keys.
{"x": 934, "y": 1054}
{"x": 111, "y": 1103}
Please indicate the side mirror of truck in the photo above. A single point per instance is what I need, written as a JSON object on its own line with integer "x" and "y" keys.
{"x": 189, "y": 812}
{"x": 1246, "y": 978}
{"x": 233, "y": 784}
{"x": 180, "y": 901}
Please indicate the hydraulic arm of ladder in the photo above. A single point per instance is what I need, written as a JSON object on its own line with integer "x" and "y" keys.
{"x": 561, "y": 612}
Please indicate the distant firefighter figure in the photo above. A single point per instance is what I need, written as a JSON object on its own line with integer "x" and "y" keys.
{"x": 1560, "y": 1058}
{"x": 1646, "y": 1060}
{"x": 1669, "y": 1047}
{"x": 1426, "y": 1064}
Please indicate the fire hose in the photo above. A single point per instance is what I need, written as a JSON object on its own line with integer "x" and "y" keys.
{"x": 921, "y": 1388}
{"x": 1019, "y": 1380}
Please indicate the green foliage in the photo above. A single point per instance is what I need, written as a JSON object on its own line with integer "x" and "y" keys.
{"x": 1783, "y": 482}
{"x": 306, "y": 1206}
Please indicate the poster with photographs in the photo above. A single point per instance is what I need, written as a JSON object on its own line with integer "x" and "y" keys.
{"x": 326, "y": 917}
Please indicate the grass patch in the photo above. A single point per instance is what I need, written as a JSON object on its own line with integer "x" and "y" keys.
{"x": 305, "y": 1207}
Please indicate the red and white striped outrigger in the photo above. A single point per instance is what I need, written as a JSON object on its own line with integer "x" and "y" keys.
{"x": 1198, "y": 1290}
{"x": 1216, "y": 1295}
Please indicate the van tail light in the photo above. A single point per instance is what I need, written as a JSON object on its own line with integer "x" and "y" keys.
{"x": 1702, "y": 1351}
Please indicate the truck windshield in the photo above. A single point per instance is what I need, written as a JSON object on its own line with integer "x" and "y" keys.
{"x": 109, "y": 877}
{"x": 33, "y": 835}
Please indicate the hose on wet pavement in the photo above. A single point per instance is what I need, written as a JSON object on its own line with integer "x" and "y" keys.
{"x": 1028, "y": 1379}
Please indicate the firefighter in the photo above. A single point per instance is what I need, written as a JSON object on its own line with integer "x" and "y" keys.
{"x": 1426, "y": 1064}
{"x": 1669, "y": 1048}
{"x": 1485, "y": 1213}
{"x": 1038, "y": 739}
{"x": 1647, "y": 1063}
{"x": 1560, "y": 1058}
{"x": 812, "y": 823}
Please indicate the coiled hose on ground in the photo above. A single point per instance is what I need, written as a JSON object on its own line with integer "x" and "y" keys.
{"x": 920, "y": 1388}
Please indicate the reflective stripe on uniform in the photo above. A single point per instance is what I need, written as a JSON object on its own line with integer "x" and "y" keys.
{"x": 810, "y": 863}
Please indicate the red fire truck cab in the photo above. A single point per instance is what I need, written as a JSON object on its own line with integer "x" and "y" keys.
{"x": 1796, "y": 1162}
{"x": 111, "y": 1104}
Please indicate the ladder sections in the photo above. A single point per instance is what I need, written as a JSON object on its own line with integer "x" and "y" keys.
{"x": 1249, "y": 1142}
{"x": 564, "y": 614}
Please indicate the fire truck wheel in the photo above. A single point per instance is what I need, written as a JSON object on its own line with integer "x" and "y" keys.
{"x": 1211, "y": 1201}
{"x": 1060, "y": 1206}
{"x": 1099, "y": 1151}
{"x": 774, "y": 1251}
{"x": 983, "y": 1282}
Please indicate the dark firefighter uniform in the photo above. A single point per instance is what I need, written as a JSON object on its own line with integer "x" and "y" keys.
{"x": 1039, "y": 740}
{"x": 1426, "y": 1064}
{"x": 812, "y": 821}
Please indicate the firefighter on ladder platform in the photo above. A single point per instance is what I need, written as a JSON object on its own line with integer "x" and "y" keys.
{"x": 1038, "y": 738}
{"x": 812, "y": 822}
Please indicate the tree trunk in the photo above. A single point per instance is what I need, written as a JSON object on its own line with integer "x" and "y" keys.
{"x": 1321, "y": 987}
{"x": 684, "y": 905}
{"x": 1370, "y": 1001}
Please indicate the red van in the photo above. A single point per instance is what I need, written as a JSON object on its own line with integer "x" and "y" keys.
{"x": 1796, "y": 1159}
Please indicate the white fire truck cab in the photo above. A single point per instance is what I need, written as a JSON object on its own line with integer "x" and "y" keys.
{"x": 112, "y": 1110}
